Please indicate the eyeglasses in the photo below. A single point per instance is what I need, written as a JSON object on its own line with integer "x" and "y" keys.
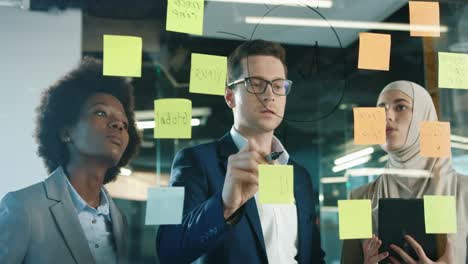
{"x": 257, "y": 85}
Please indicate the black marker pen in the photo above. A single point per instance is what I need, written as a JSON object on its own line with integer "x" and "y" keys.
{"x": 273, "y": 156}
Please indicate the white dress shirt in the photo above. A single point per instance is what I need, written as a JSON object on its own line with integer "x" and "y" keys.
{"x": 278, "y": 221}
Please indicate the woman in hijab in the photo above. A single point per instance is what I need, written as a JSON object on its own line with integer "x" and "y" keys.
{"x": 407, "y": 104}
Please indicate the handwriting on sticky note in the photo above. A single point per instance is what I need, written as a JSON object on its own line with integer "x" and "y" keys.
{"x": 424, "y": 19}
{"x": 374, "y": 51}
{"x": 435, "y": 139}
{"x": 276, "y": 184}
{"x": 208, "y": 74}
{"x": 122, "y": 56}
{"x": 173, "y": 118}
{"x": 369, "y": 125}
{"x": 453, "y": 70}
{"x": 440, "y": 214}
{"x": 164, "y": 206}
{"x": 185, "y": 16}
{"x": 355, "y": 219}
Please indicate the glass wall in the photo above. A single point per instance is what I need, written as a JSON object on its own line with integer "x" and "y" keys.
{"x": 41, "y": 40}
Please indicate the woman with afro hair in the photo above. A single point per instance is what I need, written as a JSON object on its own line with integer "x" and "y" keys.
{"x": 86, "y": 132}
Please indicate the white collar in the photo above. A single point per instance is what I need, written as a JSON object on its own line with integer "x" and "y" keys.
{"x": 240, "y": 141}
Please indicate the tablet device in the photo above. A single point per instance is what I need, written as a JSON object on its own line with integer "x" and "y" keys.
{"x": 399, "y": 217}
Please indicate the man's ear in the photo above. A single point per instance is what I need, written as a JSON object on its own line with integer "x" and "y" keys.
{"x": 229, "y": 97}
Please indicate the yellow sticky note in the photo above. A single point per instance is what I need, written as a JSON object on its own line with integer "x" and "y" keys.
{"x": 424, "y": 19}
{"x": 208, "y": 74}
{"x": 185, "y": 16}
{"x": 172, "y": 118}
{"x": 122, "y": 56}
{"x": 453, "y": 70}
{"x": 374, "y": 51}
{"x": 369, "y": 125}
{"x": 434, "y": 139}
{"x": 276, "y": 184}
{"x": 440, "y": 214}
{"x": 355, "y": 219}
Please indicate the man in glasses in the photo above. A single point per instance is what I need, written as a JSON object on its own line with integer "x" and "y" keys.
{"x": 222, "y": 220}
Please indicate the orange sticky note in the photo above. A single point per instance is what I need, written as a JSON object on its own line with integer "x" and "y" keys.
{"x": 434, "y": 139}
{"x": 369, "y": 125}
{"x": 374, "y": 51}
{"x": 424, "y": 19}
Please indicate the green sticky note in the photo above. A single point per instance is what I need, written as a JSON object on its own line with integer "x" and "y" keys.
{"x": 208, "y": 74}
{"x": 122, "y": 56}
{"x": 172, "y": 118}
{"x": 276, "y": 184}
{"x": 355, "y": 219}
{"x": 185, "y": 16}
{"x": 453, "y": 70}
{"x": 440, "y": 214}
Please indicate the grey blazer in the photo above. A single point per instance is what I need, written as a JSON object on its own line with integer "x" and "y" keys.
{"x": 39, "y": 224}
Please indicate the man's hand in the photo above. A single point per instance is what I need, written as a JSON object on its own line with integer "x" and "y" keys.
{"x": 241, "y": 182}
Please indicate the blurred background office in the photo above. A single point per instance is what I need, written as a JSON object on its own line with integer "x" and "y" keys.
{"x": 43, "y": 39}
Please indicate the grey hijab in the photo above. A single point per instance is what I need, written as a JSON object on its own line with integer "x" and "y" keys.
{"x": 442, "y": 178}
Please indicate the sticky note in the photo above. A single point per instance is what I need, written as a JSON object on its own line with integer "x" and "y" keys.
{"x": 185, "y": 16}
{"x": 434, "y": 139}
{"x": 172, "y": 118}
{"x": 208, "y": 74}
{"x": 453, "y": 70}
{"x": 355, "y": 219}
{"x": 369, "y": 125}
{"x": 164, "y": 206}
{"x": 374, "y": 51}
{"x": 440, "y": 214}
{"x": 276, "y": 184}
{"x": 122, "y": 56}
{"x": 424, "y": 19}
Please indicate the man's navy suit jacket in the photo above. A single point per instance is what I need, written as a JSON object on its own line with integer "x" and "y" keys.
{"x": 204, "y": 236}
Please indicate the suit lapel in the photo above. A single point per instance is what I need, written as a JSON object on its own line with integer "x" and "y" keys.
{"x": 66, "y": 218}
{"x": 119, "y": 234}
{"x": 227, "y": 148}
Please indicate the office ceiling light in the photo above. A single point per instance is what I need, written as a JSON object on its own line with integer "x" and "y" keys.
{"x": 350, "y": 164}
{"x": 304, "y": 22}
{"x": 361, "y": 172}
{"x": 459, "y": 145}
{"x": 457, "y": 138}
{"x": 149, "y": 124}
{"x": 383, "y": 158}
{"x": 125, "y": 172}
{"x": 311, "y": 3}
{"x": 23, "y": 4}
{"x": 145, "y": 124}
{"x": 327, "y": 180}
{"x": 354, "y": 155}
